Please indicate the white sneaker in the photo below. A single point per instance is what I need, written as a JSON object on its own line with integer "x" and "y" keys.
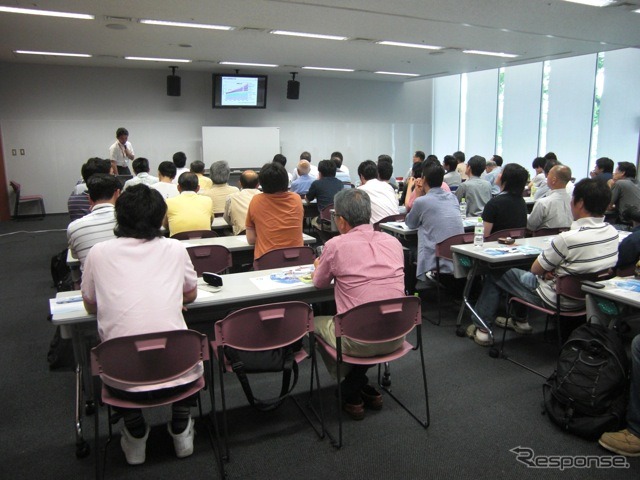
{"x": 481, "y": 337}
{"x": 134, "y": 448}
{"x": 183, "y": 442}
{"x": 522, "y": 328}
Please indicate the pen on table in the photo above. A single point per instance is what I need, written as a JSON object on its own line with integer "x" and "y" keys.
{"x": 69, "y": 299}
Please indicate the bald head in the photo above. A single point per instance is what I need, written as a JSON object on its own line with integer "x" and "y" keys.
{"x": 558, "y": 177}
{"x": 249, "y": 179}
{"x": 304, "y": 167}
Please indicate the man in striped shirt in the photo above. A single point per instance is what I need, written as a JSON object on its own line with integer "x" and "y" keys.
{"x": 590, "y": 246}
{"x": 98, "y": 225}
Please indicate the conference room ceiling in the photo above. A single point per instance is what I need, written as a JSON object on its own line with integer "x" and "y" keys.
{"x": 535, "y": 30}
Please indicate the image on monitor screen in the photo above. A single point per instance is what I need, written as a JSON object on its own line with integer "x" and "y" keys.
{"x": 239, "y": 91}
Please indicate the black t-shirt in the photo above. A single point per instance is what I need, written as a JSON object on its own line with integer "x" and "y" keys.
{"x": 505, "y": 210}
{"x": 324, "y": 190}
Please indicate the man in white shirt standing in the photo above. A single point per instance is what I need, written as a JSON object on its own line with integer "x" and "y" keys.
{"x": 121, "y": 152}
{"x": 383, "y": 198}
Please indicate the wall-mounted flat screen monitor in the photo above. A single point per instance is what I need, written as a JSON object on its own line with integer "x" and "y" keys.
{"x": 239, "y": 91}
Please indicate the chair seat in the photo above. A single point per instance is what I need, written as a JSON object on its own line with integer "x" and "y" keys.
{"x": 110, "y": 399}
{"x": 388, "y": 357}
{"x": 550, "y": 311}
{"x": 298, "y": 357}
{"x": 30, "y": 198}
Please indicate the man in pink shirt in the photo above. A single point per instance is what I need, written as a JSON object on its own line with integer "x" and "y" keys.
{"x": 366, "y": 265}
{"x": 137, "y": 283}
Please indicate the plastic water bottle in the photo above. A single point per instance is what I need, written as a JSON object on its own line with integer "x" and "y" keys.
{"x": 478, "y": 237}
{"x": 463, "y": 208}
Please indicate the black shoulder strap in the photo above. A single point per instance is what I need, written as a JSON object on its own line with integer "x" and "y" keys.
{"x": 265, "y": 405}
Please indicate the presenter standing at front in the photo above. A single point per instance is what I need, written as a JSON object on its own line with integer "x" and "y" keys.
{"x": 121, "y": 152}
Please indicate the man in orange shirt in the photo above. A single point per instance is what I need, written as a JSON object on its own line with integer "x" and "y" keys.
{"x": 274, "y": 218}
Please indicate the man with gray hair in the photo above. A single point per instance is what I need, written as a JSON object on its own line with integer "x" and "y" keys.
{"x": 366, "y": 265}
{"x": 220, "y": 190}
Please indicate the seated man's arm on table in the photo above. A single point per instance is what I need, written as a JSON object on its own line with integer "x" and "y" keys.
{"x": 251, "y": 235}
{"x": 551, "y": 258}
{"x": 311, "y": 193}
{"x": 88, "y": 287}
{"x": 227, "y": 210}
{"x": 322, "y": 275}
{"x": 413, "y": 218}
{"x": 190, "y": 289}
{"x": 534, "y": 220}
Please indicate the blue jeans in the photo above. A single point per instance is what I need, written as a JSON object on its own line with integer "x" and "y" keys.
{"x": 519, "y": 283}
{"x": 633, "y": 414}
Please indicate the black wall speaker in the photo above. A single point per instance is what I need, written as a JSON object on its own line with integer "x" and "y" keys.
{"x": 173, "y": 85}
{"x": 293, "y": 90}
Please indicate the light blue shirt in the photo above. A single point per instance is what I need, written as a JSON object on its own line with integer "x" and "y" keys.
{"x": 301, "y": 184}
{"x": 436, "y": 215}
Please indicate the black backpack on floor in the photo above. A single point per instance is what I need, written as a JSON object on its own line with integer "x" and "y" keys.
{"x": 587, "y": 393}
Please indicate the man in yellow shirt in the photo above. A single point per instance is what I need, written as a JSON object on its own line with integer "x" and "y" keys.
{"x": 197, "y": 167}
{"x": 188, "y": 211}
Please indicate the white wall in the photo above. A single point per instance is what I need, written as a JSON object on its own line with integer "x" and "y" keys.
{"x": 62, "y": 115}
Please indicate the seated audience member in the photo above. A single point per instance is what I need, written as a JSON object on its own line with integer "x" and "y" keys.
{"x": 325, "y": 188}
{"x": 417, "y": 188}
{"x": 235, "y": 210}
{"x": 410, "y": 185}
{"x": 197, "y": 167}
{"x": 475, "y": 191}
{"x": 136, "y": 284}
{"x": 274, "y": 218}
{"x": 218, "y": 194}
{"x": 507, "y": 209}
{"x": 629, "y": 249}
{"x": 97, "y": 226}
{"x": 627, "y": 442}
{"x": 78, "y": 203}
{"x": 382, "y": 196}
{"x": 462, "y": 167}
{"x": 603, "y": 169}
{"x": 343, "y": 170}
{"x": 314, "y": 170}
{"x": 141, "y": 170}
{"x": 165, "y": 185}
{"x": 418, "y": 157}
{"x": 451, "y": 177}
{"x": 625, "y": 190}
{"x": 385, "y": 171}
{"x": 436, "y": 215}
{"x": 539, "y": 178}
{"x": 553, "y": 210}
{"x": 188, "y": 211}
{"x": 282, "y": 160}
{"x": 590, "y": 246}
{"x": 179, "y": 160}
{"x": 366, "y": 265}
{"x": 544, "y": 189}
{"x": 492, "y": 170}
{"x": 301, "y": 184}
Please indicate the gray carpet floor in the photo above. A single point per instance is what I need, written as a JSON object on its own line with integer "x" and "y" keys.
{"x": 481, "y": 408}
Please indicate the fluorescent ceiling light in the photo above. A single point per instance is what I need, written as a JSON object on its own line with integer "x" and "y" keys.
{"x": 399, "y": 74}
{"x": 46, "y": 13}
{"x": 328, "y": 69}
{"x": 186, "y": 25}
{"x": 409, "y": 45}
{"x": 244, "y": 64}
{"x": 54, "y": 54}
{"x": 637, "y": 11}
{"x": 593, "y": 3}
{"x": 491, "y": 54}
{"x": 308, "y": 35}
{"x": 150, "y": 59}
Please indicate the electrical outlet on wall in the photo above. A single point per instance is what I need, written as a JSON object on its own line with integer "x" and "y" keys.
{"x": 22, "y": 151}
{"x": 14, "y": 152}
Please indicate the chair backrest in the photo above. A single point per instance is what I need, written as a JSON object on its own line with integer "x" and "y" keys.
{"x": 264, "y": 327}
{"x": 507, "y": 232}
{"x": 149, "y": 359}
{"x": 380, "y": 321}
{"x": 443, "y": 249}
{"x": 210, "y": 258}
{"x": 16, "y": 188}
{"x": 569, "y": 285}
{"x": 285, "y": 257}
{"x": 542, "y": 232}
{"x": 194, "y": 234}
{"x": 325, "y": 213}
{"x": 391, "y": 218}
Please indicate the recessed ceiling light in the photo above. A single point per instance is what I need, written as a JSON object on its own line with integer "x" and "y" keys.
{"x": 244, "y": 64}
{"x": 46, "y": 13}
{"x": 54, "y": 54}
{"x": 409, "y": 45}
{"x": 399, "y": 74}
{"x": 330, "y": 69}
{"x": 594, "y": 3}
{"x": 308, "y": 35}
{"x": 186, "y": 25}
{"x": 150, "y": 59}
{"x": 491, "y": 54}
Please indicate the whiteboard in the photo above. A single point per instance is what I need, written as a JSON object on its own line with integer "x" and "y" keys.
{"x": 242, "y": 147}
